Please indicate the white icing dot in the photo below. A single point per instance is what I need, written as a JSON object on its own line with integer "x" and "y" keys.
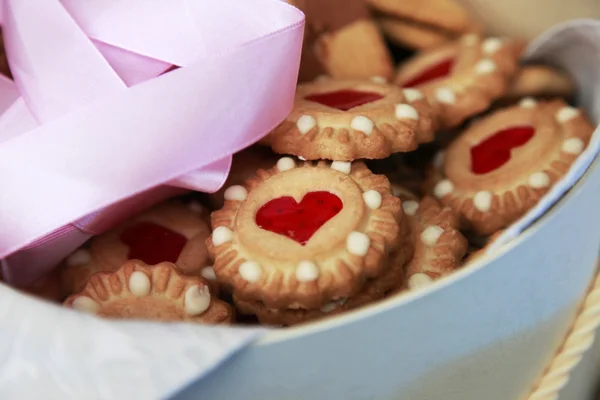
{"x": 208, "y": 273}
{"x": 483, "y": 201}
{"x": 285, "y": 163}
{"x": 250, "y": 271}
{"x": 491, "y": 45}
{"x": 431, "y": 234}
{"x": 573, "y": 146}
{"x": 372, "y": 199}
{"x": 378, "y": 79}
{"x": 442, "y": 188}
{"x": 438, "y": 160}
{"x": 307, "y": 271}
{"x": 139, "y": 284}
{"x": 302, "y": 158}
{"x": 410, "y": 207}
{"x": 539, "y": 180}
{"x": 358, "y": 243}
{"x": 363, "y": 124}
{"x": 342, "y": 166}
{"x": 566, "y": 114}
{"x": 405, "y": 111}
{"x": 84, "y": 303}
{"x": 305, "y": 123}
{"x": 527, "y": 102}
{"x": 79, "y": 257}
{"x": 235, "y": 193}
{"x": 470, "y": 39}
{"x": 419, "y": 280}
{"x": 411, "y": 94}
{"x": 197, "y": 300}
{"x": 222, "y": 234}
{"x": 445, "y": 95}
{"x": 195, "y": 207}
{"x": 485, "y": 66}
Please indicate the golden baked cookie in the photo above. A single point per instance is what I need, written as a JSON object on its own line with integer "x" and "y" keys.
{"x": 411, "y": 35}
{"x": 302, "y": 234}
{"x": 443, "y": 15}
{"x": 171, "y": 231}
{"x": 243, "y": 167}
{"x": 500, "y": 167}
{"x": 347, "y": 120}
{"x": 464, "y": 77}
{"x": 439, "y": 246}
{"x": 48, "y": 287}
{"x": 158, "y": 292}
{"x": 342, "y": 41}
{"x": 539, "y": 81}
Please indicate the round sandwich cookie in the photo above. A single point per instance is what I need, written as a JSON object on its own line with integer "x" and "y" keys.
{"x": 158, "y": 292}
{"x": 501, "y": 166}
{"x": 447, "y": 18}
{"x": 301, "y": 234}
{"x": 347, "y": 120}
{"x": 539, "y": 81}
{"x": 464, "y": 77}
{"x": 172, "y": 231}
{"x": 243, "y": 167}
{"x": 439, "y": 246}
{"x": 341, "y": 40}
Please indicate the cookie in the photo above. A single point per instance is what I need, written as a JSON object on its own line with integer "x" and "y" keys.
{"x": 414, "y": 36}
{"x": 439, "y": 246}
{"x": 443, "y": 15}
{"x": 347, "y": 120}
{"x": 500, "y": 166}
{"x": 243, "y": 167}
{"x": 464, "y": 77}
{"x": 539, "y": 81}
{"x": 158, "y": 292}
{"x": 302, "y": 234}
{"x": 171, "y": 231}
{"x": 341, "y": 40}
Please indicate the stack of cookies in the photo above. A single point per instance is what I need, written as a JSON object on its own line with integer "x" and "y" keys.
{"x": 379, "y": 181}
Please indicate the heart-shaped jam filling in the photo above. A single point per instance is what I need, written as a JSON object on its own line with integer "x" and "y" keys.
{"x": 298, "y": 221}
{"x": 495, "y": 151}
{"x": 435, "y": 71}
{"x": 344, "y": 99}
{"x": 153, "y": 243}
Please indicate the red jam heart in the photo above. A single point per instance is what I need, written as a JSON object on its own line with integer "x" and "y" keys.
{"x": 435, "y": 71}
{"x": 344, "y": 99}
{"x": 298, "y": 221}
{"x": 153, "y": 243}
{"x": 494, "y": 151}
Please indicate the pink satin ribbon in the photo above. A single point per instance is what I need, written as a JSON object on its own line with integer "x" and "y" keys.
{"x": 91, "y": 128}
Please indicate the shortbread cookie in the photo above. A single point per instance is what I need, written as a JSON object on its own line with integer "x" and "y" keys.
{"x": 443, "y": 15}
{"x": 539, "y": 81}
{"x": 172, "y": 231}
{"x": 439, "y": 246}
{"x": 411, "y": 35}
{"x": 464, "y": 77}
{"x": 159, "y": 292}
{"x": 301, "y": 234}
{"x": 347, "y": 120}
{"x": 341, "y": 40}
{"x": 244, "y": 166}
{"x": 503, "y": 164}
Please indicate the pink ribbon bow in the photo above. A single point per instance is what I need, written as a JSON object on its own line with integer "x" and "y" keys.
{"x": 92, "y": 128}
